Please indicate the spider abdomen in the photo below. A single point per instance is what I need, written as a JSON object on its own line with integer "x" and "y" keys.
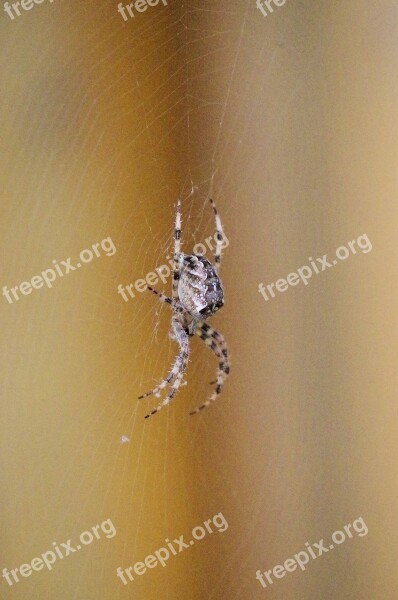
{"x": 199, "y": 288}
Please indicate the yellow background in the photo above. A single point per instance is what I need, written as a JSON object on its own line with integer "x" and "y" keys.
{"x": 103, "y": 124}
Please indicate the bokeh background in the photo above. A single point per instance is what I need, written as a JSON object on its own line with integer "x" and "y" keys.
{"x": 290, "y": 122}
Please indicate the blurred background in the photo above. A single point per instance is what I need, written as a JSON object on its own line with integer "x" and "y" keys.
{"x": 289, "y": 121}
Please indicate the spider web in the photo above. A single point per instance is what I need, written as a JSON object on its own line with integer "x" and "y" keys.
{"x": 190, "y": 69}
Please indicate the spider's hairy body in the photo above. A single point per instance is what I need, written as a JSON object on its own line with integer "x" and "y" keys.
{"x": 200, "y": 290}
{"x": 197, "y": 293}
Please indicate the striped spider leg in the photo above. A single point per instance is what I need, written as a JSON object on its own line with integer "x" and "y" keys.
{"x": 216, "y": 342}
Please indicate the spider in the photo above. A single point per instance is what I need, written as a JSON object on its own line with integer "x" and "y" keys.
{"x": 197, "y": 293}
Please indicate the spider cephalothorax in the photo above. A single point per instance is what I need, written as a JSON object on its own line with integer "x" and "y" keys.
{"x": 197, "y": 293}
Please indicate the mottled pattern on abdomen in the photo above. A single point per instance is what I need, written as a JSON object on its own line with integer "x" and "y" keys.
{"x": 199, "y": 288}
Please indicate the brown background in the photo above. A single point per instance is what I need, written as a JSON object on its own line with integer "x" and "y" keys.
{"x": 103, "y": 124}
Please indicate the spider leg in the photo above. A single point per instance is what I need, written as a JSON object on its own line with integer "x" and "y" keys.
{"x": 177, "y": 372}
{"x": 216, "y": 342}
{"x": 177, "y": 252}
{"x": 165, "y": 382}
{"x": 220, "y": 234}
{"x": 163, "y": 298}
